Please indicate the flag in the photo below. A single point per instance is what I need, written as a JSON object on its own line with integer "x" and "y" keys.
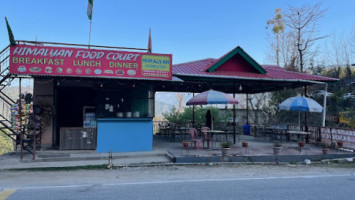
{"x": 150, "y": 42}
{"x": 11, "y": 35}
{"x": 90, "y": 6}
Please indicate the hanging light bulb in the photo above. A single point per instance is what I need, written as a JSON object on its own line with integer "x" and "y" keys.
{"x": 240, "y": 87}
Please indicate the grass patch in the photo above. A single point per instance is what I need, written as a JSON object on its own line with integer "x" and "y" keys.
{"x": 85, "y": 167}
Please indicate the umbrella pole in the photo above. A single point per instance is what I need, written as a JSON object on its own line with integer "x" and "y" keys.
{"x": 299, "y": 120}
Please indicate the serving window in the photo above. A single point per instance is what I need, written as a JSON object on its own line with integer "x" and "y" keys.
{"x": 134, "y": 102}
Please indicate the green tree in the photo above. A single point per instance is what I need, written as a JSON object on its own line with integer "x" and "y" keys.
{"x": 200, "y": 113}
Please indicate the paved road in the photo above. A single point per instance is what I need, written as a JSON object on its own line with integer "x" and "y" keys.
{"x": 311, "y": 187}
{"x": 201, "y": 182}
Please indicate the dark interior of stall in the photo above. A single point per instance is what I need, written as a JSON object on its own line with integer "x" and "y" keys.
{"x": 102, "y": 99}
{"x": 70, "y": 104}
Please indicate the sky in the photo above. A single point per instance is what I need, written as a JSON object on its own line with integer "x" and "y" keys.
{"x": 190, "y": 30}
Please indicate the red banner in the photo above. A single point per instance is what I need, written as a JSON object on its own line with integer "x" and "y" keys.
{"x": 77, "y": 62}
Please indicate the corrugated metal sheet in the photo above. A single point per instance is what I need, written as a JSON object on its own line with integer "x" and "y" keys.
{"x": 273, "y": 72}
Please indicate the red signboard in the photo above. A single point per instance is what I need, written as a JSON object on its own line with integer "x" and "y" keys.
{"x": 77, "y": 62}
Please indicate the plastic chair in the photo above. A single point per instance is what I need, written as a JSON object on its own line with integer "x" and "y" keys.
{"x": 194, "y": 138}
{"x": 206, "y": 137}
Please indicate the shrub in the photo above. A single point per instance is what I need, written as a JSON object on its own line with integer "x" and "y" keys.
{"x": 226, "y": 144}
{"x": 324, "y": 145}
{"x": 277, "y": 144}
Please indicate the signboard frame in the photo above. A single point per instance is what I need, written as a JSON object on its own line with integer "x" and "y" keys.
{"x": 82, "y": 62}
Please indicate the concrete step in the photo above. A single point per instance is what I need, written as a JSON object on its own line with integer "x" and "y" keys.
{"x": 79, "y": 158}
{"x": 73, "y": 159}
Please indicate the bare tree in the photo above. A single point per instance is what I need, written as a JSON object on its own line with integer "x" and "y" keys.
{"x": 303, "y": 22}
{"x": 332, "y": 56}
{"x": 289, "y": 51}
{"x": 352, "y": 47}
{"x": 258, "y": 102}
{"x": 352, "y": 43}
{"x": 346, "y": 52}
{"x": 338, "y": 55}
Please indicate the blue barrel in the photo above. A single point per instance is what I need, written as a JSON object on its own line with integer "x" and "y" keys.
{"x": 246, "y": 129}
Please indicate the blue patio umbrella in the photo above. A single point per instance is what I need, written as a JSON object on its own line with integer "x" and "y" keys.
{"x": 300, "y": 103}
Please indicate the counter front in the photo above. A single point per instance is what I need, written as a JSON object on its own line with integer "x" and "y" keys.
{"x": 124, "y": 134}
{"x": 77, "y": 138}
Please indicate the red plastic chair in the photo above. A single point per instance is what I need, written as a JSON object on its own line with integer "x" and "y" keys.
{"x": 194, "y": 138}
{"x": 207, "y": 137}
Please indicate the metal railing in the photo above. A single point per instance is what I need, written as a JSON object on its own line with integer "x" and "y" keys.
{"x": 4, "y": 60}
{"x": 318, "y": 134}
{"x": 5, "y": 101}
{"x": 5, "y": 110}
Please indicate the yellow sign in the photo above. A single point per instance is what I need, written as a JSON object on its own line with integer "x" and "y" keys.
{"x": 153, "y": 65}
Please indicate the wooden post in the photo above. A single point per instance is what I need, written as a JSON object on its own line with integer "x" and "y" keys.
{"x": 305, "y": 116}
{"x": 20, "y": 116}
{"x": 305, "y": 113}
{"x": 234, "y": 133}
{"x": 193, "y": 112}
{"x": 247, "y": 109}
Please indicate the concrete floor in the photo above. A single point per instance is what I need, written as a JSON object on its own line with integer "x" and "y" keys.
{"x": 256, "y": 147}
{"x": 166, "y": 150}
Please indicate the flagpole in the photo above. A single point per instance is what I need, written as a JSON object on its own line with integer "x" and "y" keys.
{"x": 150, "y": 42}
{"x": 89, "y": 13}
{"x": 90, "y": 34}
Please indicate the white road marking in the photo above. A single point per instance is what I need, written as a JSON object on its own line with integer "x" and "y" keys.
{"x": 183, "y": 181}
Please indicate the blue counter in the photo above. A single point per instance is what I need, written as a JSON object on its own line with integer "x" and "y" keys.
{"x": 124, "y": 134}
